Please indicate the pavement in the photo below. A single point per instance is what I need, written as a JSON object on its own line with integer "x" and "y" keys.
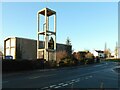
{"x": 100, "y": 76}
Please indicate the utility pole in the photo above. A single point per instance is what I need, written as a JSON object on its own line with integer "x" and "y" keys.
{"x": 116, "y": 50}
{"x": 105, "y": 50}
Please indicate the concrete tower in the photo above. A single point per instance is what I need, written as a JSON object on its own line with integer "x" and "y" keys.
{"x": 46, "y": 52}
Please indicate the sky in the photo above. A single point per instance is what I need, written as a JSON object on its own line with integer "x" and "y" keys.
{"x": 89, "y": 25}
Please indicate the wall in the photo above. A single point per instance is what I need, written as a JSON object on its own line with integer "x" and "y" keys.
{"x": 63, "y": 47}
{"x": 9, "y": 47}
{"x": 27, "y": 48}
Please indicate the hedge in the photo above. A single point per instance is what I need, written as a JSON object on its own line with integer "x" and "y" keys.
{"x": 20, "y": 65}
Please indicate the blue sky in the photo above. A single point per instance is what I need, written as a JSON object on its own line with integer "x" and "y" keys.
{"x": 88, "y": 24}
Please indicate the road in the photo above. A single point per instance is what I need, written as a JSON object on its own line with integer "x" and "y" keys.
{"x": 100, "y": 75}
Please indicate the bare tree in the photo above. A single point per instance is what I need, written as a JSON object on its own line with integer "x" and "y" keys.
{"x": 61, "y": 55}
{"x": 1, "y": 52}
{"x": 107, "y": 53}
{"x": 68, "y": 42}
{"x": 89, "y": 55}
{"x": 1, "y": 48}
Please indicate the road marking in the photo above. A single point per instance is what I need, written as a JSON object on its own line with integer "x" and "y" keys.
{"x": 47, "y": 70}
{"x": 67, "y": 81}
{"x": 101, "y": 85}
{"x": 44, "y": 88}
{"x": 41, "y": 76}
{"x": 117, "y": 67}
{"x": 64, "y": 85}
{"x": 58, "y": 87}
{"x": 77, "y": 81}
{"x": 91, "y": 76}
{"x": 112, "y": 70}
{"x": 60, "y": 83}
{"x": 106, "y": 63}
{"x": 89, "y": 73}
{"x": 97, "y": 65}
{"x": 73, "y": 80}
{"x": 52, "y": 86}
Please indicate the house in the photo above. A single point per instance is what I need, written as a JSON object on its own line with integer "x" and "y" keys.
{"x": 98, "y": 53}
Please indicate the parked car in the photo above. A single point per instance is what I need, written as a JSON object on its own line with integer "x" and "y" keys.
{"x": 8, "y": 57}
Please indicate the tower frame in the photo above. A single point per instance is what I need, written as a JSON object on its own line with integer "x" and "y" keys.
{"x": 45, "y": 51}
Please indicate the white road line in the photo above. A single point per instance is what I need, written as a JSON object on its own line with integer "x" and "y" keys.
{"x": 60, "y": 83}
{"x": 41, "y": 76}
{"x": 44, "y": 88}
{"x": 117, "y": 67}
{"x": 91, "y": 76}
{"x": 47, "y": 70}
{"x": 58, "y": 87}
{"x": 47, "y": 89}
{"x": 64, "y": 85}
{"x": 112, "y": 70}
{"x": 77, "y": 81}
{"x": 71, "y": 82}
{"x": 97, "y": 65}
{"x": 52, "y": 86}
{"x": 89, "y": 73}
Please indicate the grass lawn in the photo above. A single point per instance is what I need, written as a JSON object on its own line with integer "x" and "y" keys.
{"x": 114, "y": 60}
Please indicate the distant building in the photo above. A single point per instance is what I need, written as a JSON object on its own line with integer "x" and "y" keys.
{"x": 22, "y": 48}
{"x": 98, "y": 53}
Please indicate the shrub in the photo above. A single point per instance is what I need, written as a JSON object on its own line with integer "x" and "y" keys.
{"x": 60, "y": 55}
{"x": 20, "y": 65}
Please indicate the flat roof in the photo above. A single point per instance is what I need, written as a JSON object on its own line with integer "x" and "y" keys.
{"x": 49, "y": 12}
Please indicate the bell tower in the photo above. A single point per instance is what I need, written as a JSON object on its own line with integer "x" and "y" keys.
{"x": 46, "y": 50}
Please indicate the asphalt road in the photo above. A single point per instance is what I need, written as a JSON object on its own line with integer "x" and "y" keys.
{"x": 92, "y": 76}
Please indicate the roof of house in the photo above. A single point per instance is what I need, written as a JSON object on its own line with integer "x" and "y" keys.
{"x": 99, "y": 51}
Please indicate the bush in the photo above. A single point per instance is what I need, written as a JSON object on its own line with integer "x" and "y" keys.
{"x": 67, "y": 62}
{"x": 89, "y": 61}
{"x": 50, "y": 64}
{"x": 82, "y": 61}
{"x": 20, "y": 65}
